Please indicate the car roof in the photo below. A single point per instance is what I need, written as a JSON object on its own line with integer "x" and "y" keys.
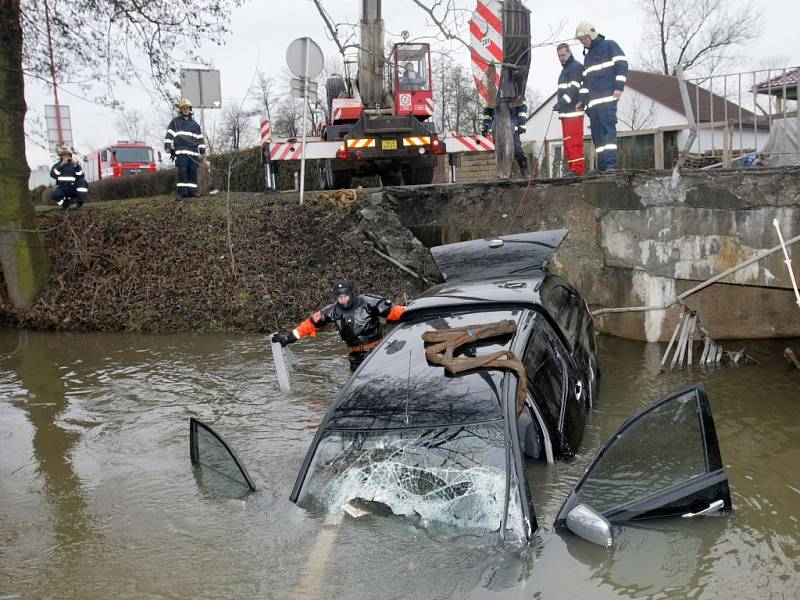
{"x": 466, "y": 294}
{"x": 396, "y": 387}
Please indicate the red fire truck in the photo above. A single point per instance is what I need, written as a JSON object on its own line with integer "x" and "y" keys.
{"x": 117, "y": 160}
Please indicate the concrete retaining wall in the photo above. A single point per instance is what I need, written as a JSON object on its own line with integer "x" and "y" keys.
{"x": 634, "y": 240}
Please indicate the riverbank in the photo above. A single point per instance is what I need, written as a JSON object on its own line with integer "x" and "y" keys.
{"x": 158, "y": 265}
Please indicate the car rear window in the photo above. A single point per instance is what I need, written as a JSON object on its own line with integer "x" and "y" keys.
{"x": 397, "y": 388}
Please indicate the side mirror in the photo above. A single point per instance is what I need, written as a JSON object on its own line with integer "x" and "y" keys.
{"x": 591, "y": 526}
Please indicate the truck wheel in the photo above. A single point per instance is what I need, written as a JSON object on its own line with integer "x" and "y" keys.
{"x": 393, "y": 177}
{"x": 324, "y": 174}
{"x": 418, "y": 175}
{"x": 334, "y": 87}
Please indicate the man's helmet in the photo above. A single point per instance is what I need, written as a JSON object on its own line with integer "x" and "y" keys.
{"x": 343, "y": 287}
{"x": 585, "y": 28}
{"x": 184, "y": 103}
{"x": 64, "y": 149}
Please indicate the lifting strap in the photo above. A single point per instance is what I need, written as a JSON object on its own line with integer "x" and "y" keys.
{"x": 447, "y": 341}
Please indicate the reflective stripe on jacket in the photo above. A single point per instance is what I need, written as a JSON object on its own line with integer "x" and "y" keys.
{"x": 569, "y": 83}
{"x": 67, "y": 174}
{"x": 605, "y": 70}
{"x": 184, "y": 137}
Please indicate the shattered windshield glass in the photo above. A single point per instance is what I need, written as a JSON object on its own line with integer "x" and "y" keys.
{"x": 452, "y": 475}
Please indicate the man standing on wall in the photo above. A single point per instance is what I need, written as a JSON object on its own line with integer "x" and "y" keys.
{"x": 184, "y": 142}
{"x": 569, "y": 83}
{"x": 605, "y": 70}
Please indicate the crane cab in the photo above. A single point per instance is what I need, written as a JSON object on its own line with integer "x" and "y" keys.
{"x": 410, "y": 80}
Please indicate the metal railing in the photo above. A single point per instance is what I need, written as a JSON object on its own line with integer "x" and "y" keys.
{"x": 735, "y": 112}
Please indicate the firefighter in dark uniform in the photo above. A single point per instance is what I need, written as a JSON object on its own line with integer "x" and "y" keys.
{"x": 519, "y": 117}
{"x": 569, "y": 83}
{"x": 70, "y": 182}
{"x": 356, "y": 316}
{"x": 184, "y": 142}
{"x": 605, "y": 71}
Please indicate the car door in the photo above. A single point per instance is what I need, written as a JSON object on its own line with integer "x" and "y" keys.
{"x": 217, "y": 467}
{"x": 663, "y": 462}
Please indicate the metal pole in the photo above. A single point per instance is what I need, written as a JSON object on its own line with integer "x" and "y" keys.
{"x": 306, "y": 44}
{"x": 53, "y": 74}
{"x": 788, "y": 260}
{"x": 697, "y": 288}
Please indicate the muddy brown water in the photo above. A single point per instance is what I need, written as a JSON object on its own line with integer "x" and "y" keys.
{"x": 98, "y": 499}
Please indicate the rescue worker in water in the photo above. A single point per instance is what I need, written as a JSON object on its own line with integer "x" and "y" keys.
{"x": 356, "y": 316}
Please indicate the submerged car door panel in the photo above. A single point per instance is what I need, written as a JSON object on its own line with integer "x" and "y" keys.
{"x": 216, "y": 465}
{"x": 554, "y": 383}
{"x": 663, "y": 462}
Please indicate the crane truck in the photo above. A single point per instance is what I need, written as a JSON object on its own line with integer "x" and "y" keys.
{"x": 382, "y": 119}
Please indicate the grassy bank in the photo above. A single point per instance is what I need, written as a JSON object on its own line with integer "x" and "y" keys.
{"x": 158, "y": 265}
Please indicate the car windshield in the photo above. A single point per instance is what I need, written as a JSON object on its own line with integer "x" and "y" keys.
{"x": 452, "y": 475}
{"x": 133, "y": 155}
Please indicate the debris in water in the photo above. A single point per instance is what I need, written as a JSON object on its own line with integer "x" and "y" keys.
{"x": 791, "y": 357}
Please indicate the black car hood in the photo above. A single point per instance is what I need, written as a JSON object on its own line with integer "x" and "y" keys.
{"x": 517, "y": 255}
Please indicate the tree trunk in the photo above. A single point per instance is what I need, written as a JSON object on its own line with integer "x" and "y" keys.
{"x": 23, "y": 257}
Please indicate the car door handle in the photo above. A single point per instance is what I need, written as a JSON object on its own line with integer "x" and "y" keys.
{"x": 578, "y": 390}
{"x": 713, "y": 507}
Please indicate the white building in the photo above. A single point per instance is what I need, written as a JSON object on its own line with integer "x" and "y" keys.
{"x": 651, "y": 122}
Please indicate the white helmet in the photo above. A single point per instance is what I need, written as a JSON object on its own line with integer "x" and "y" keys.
{"x": 585, "y": 28}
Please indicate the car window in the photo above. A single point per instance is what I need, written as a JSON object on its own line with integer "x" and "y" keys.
{"x": 566, "y": 307}
{"x": 453, "y": 475}
{"x": 659, "y": 451}
{"x": 545, "y": 371}
{"x": 217, "y": 465}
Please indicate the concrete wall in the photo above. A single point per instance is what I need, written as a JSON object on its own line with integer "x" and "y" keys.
{"x": 635, "y": 241}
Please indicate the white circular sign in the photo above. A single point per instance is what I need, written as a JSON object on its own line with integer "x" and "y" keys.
{"x": 301, "y": 65}
{"x": 405, "y": 99}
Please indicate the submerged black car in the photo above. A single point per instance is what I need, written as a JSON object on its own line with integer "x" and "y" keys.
{"x": 450, "y": 446}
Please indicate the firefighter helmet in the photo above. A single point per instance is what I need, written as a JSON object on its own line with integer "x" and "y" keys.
{"x": 585, "y": 28}
{"x": 184, "y": 103}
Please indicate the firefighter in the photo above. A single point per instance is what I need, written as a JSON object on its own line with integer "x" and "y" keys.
{"x": 356, "y": 316}
{"x": 519, "y": 118}
{"x": 569, "y": 83}
{"x": 70, "y": 182}
{"x": 184, "y": 142}
{"x": 605, "y": 70}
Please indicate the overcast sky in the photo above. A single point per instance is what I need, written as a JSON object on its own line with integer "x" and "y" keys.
{"x": 262, "y": 30}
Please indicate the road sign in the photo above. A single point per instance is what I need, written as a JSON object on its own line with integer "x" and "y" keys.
{"x": 304, "y": 58}
{"x": 297, "y": 91}
{"x": 52, "y": 116}
{"x": 201, "y": 87}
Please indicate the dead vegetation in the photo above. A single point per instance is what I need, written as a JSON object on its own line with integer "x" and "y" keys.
{"x": 158, "y": 265}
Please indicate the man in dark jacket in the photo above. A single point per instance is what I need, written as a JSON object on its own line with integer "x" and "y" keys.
{"x": 605, "y": 71}
{"x": 70, "y": 182}
{"x": 356, "y": 316}
{"x": 184, "y": 142}
{"x": 569, "y": 83}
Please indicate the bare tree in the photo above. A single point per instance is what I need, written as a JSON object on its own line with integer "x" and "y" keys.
{"x": 131, "y": 124}
{"x": 700, "y": 35}
{"x": 638, "y": 114}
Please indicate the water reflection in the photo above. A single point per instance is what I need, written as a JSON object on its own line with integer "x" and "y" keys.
{"x": 54, "y": 440}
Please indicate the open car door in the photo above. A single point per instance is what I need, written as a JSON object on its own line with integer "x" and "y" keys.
{"x": 217, "y": 468}
{"x": 665, "y": 461}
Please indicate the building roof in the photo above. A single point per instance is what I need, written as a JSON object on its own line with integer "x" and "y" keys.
{"x": 664, "y": 90}
{"x": 785, "y": 83}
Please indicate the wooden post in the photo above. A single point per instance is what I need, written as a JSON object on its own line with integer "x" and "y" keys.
{"x": 727, "y": 146}
{"x": 658, "y": 150}
{"x": 546, "y": 162}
